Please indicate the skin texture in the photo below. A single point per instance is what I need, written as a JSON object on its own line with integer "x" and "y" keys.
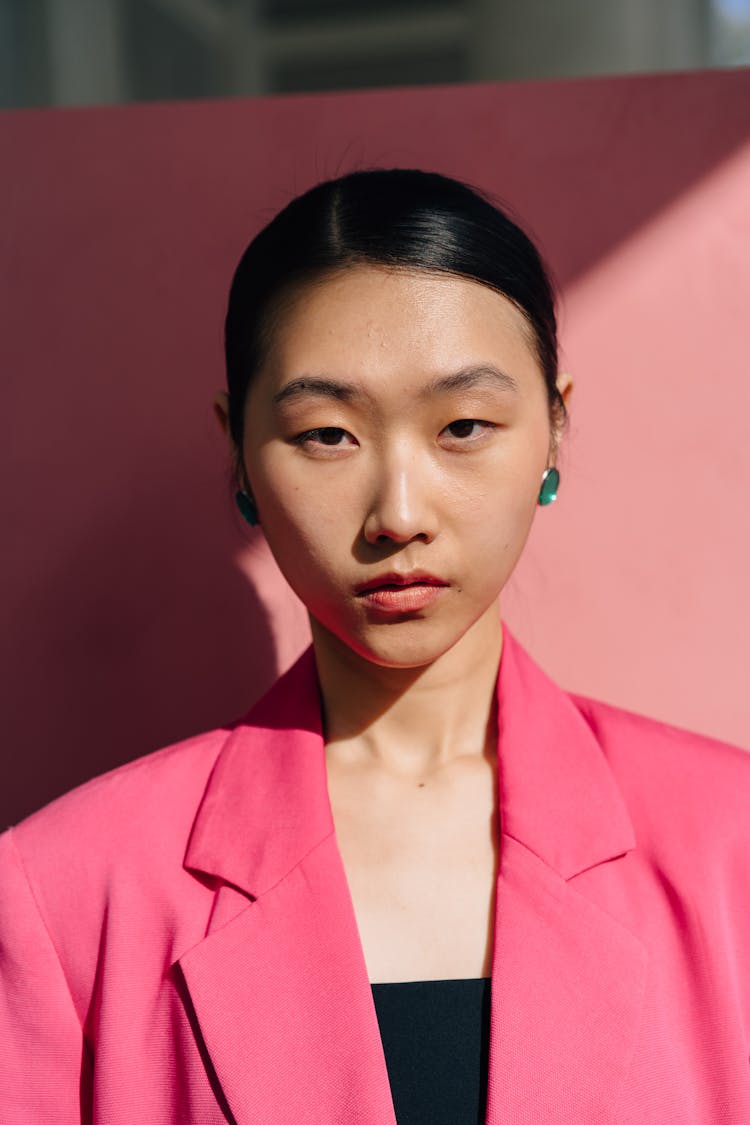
{"x": 384, "y": 468}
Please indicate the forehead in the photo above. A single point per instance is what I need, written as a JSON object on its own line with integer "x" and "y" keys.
{"x": 377, "y": 324}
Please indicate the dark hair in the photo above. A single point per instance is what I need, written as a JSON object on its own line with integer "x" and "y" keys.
{"x": 395, "y": 217}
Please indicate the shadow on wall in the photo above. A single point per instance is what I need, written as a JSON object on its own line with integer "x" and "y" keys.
{"x": 137, "y": 610}
{"x": 143, "y": 631}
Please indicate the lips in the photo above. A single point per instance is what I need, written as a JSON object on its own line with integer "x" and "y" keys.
{"x": 396, "y": 580}
{"x": 401, "y": 593}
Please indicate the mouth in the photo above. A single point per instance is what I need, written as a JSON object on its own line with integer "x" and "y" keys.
{"x": 401, "y": 593}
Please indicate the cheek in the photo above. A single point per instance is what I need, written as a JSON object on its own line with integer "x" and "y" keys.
{"x": 505, "y": 488}
{"x": 497, "y": 515}
{"x": 304, "y": 526}
{"x": 497, "y": 533}
{"x": 312, "y": 508}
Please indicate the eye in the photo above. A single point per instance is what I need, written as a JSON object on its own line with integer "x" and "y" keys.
{"x": 466, "y": 431}
{"x": 326, "y": 437}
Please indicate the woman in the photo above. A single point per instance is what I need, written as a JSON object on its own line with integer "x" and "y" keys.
{"x": 298, "y": 917}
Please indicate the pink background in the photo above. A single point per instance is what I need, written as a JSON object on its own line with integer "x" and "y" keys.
{"x": 138, "y": 610}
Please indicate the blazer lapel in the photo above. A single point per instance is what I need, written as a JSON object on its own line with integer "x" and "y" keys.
{"x": 568, "y": 978}
{"x": 279, "y": 987}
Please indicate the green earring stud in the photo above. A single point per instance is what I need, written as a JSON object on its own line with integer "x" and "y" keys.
{"x": 247, "y": 508}
{"x": 550, "y": 485}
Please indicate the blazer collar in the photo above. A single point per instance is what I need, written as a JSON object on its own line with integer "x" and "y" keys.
{"x": 558, "y": 795}
{"x": 286, "y": 972}
{"x": 266, "y": 804}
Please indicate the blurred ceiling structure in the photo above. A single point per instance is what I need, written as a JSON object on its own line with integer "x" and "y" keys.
{"x": 103, "y": 52}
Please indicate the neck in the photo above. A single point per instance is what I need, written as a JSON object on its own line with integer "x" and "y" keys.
{"x": 411, "y": 720}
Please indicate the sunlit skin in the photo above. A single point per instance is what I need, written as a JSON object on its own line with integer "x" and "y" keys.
{"x": 401, "y": 423}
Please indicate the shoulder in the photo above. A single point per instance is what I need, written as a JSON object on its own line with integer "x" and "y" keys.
{"x": 139, "y": 806}
{"x": 100, "y": 874}
{"x": 108, "y": 858}
{"x": 140, "y": 816}
{"x": 670, "y": 776}
{"x": 630, "y": 739}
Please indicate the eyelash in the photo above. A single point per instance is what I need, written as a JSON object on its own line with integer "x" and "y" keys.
{"x": 473, "y": 421}
{"x": 310, "y": 435}
{"x": 313, "y": 436}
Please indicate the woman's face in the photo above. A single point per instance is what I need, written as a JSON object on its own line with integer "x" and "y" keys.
{"x": 395, "y": 442}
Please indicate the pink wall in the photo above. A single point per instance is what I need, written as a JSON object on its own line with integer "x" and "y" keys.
{"x": 135, "y": 609}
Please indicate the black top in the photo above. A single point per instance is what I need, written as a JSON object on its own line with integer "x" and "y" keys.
{"x": 436, "y": 1036}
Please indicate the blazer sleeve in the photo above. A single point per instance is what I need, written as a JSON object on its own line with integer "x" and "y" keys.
{"x": 46, "y": 1065}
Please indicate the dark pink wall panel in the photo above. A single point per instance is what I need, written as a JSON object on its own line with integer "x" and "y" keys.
{"x": 135, "y": 611}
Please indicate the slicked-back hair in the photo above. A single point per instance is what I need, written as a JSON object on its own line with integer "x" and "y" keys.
{"x": 395, "y": 217}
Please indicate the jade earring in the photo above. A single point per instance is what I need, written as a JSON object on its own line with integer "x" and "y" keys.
{"x": 550, "y": 485}
{"x": 247, "y": 508}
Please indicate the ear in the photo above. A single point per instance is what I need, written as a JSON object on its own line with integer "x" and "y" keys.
{"x": 220, "y": 406}
{"x": 564, "y": 384}
{"x": 565, "y": 387}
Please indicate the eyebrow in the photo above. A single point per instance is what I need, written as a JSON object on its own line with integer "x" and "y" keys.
{"x": 317, "y": 385}
{"x": 480, "y": 374}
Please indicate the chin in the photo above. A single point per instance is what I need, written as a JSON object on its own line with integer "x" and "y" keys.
{"x": 407, "y": 658}
{"x": 403, "y": 645}
{"x": 415, "y": 642}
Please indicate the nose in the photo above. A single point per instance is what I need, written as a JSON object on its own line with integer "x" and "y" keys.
{"x": 402, "y": 505}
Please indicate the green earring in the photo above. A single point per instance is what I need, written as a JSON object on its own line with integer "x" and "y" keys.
{"x": 247, "y": 508}
{"x": 550, "y": 485}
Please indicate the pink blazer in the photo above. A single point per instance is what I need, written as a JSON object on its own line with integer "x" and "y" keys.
{"x": 178, "y": 944}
